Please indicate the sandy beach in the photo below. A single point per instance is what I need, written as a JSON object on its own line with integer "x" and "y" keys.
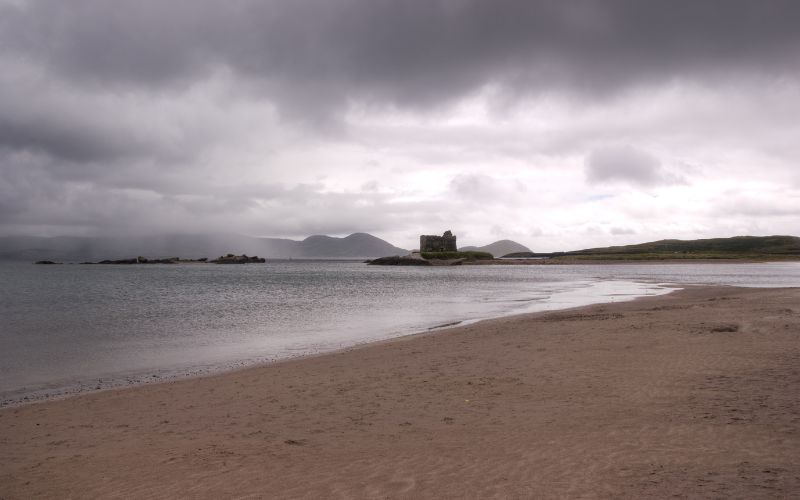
{"x": 692, "y": 395}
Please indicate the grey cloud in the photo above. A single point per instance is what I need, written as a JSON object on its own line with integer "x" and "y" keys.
{"x": 474, "y": 186}
{"x": 33, "y": 197}
{"x": 759, "y": 204}
{"x": 61, "y": 140}
{"x": 370, "y": 186}
{"x": 75, "y": 127}
{"x": 89, "y": 136}
{"x": 313, "y": 55}
{"x": 311, "y": 58}
{"x": 480, "y": 189}
{"x": 21, "y": 187}
{"x": 626, "y": 164}
{"x": 619, "y": 231}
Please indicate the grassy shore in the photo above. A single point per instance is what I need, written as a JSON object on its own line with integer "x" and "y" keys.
{"x": 639, "y": 259}
{"x": 687, "y": 257}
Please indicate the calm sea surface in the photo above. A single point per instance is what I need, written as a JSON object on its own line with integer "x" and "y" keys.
{"x": 73, "y": 327}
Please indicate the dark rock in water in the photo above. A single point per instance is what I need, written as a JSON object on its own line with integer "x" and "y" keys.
{"x": 47, "y": 262}
{"x": 123, "y": 261}
{"x": 396, "y": 260}
{"x": 142, "y": 260}
{"x": 228, "y": 259}
{"x": 415, "y": 260}
{"x": 239, "y": 259}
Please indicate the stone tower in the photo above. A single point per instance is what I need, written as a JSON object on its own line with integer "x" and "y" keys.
{"x": 443, "y": 243}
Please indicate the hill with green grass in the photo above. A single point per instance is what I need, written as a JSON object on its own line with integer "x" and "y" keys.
{"x": 737, "y": 247}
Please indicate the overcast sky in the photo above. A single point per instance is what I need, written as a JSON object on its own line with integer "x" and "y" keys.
{"x": 558, "y": 124}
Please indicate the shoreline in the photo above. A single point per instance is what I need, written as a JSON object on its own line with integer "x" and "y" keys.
{"x": 533, "y": 261}
{"x": 584, "y": 262}
{"x": 692, "y": 393}
{"x": 66, "y": 388}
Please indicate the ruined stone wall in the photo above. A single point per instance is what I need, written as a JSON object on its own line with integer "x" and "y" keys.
{"x": 443, "y": 243}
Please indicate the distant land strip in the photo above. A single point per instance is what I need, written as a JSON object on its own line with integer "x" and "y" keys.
{"x": 759, "y": 248}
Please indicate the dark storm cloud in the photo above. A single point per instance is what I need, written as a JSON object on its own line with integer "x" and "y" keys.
{"x": 313, "y": 55}
{"x": 61, "y": 140}
{"x": 115, "y": 113}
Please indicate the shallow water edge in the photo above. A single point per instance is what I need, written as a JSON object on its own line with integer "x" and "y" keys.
{"x": 566, "y": 295}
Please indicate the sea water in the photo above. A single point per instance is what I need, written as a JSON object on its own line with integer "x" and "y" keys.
{"x": 68, "y": 328}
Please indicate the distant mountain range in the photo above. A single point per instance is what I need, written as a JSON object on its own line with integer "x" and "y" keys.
{"x": 362, "y": 245}
{"x": 498, "y": 248}
{"x": 76, "y": 249}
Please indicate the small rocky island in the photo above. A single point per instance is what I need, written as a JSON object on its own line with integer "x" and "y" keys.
{"x": 224, "y": 259}
{"x": 239, "y": 259}
{"x": 143, "y": 260}
{"x": 433, "y": 251}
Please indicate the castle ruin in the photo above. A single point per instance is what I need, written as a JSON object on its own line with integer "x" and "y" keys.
{"x": 443, "y": 243}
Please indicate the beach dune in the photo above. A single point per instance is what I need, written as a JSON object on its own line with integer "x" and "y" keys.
{"x": 692, "y": 394}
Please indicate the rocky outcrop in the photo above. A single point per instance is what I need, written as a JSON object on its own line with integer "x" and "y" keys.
{"x": 47, "y": 262}
{"x": 414, "y": 260}
{"x": 143, "y": 260}
{"x": 239, "y": 259}
{"x": 225, "y": 259}
{"x": 396, "y": 260}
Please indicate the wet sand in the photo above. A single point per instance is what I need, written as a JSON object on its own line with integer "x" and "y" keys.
{"x": 694, "y": 394}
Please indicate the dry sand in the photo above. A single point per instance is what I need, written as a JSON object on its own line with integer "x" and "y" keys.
{"x": 695, "y": 394}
